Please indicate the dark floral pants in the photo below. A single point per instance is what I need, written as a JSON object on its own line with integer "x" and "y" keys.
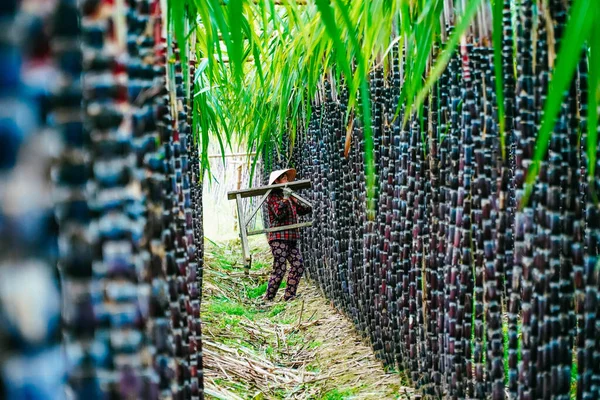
{"x": 285, "y": 251}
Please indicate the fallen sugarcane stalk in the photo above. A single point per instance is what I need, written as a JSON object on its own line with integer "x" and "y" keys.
{"x": 262, "y": 367}
{"x": 250, "y": 374}
{"x": 208, "y": 343}
{"x": 252, "y": 274}
{"x": 300, "y": 317}
{"x": 304, "y": 325}
{"x": 262, "y": 328}
{"x": 224, "y": 396}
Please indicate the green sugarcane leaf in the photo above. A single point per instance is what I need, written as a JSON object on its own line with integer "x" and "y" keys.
{"x": 235, "y": 8}
{"x": 195, "y": 122}
{"x": 446, "y": 54}
{"x": 285, "y": 94}
{"x": 176, "y": 22}
{"x": 328, "y": 18}
{"x": 207, "y": 31}
{"x": 216, "y": 133}
{"x": 351, "y": 33}
{"x": 424, "y": 42}
{"x": 200, "y": 70}
{"x": 204, "y": 129}
{"x": 497, "y": 9}
{"x": 273, "y": 13}
{"x": 368, "y": 132}
{"x": 360, "y": 80}
{"x": 593, "y": 99}
{"x": 218, "y": 17}
{"x": 256, "y": 48}
{"x": 577, "y": 31}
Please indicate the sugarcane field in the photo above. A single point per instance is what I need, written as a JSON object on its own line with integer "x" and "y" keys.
{"x": 299, "y": 199}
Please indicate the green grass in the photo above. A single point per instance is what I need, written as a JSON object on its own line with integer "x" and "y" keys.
{"x": 258, "y": 265}
{"x": 314, "y": 344}
{"x": 230, "y": 308}
{"x": 277, "y": 309}
{"x": 224, "y": 263}
{"x": 574, "y": 377}
{"x": 280, "y": 393}
{"x": 337, "y": 394}
{"x": 505, "y": 336}
{"x": 313, "y": 368}
{"x": 269, "y": 350}
{"x": 391, "y": 369}
{"x": 229, "y": 322}
{"x": 294, "y": 339}
{"x": 256, "y": 292}
{"x": 285, "y": 319}
{"x": 228, "y": 383}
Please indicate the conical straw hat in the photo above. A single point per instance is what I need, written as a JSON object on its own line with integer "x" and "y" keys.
{"x": 291, "y": 174}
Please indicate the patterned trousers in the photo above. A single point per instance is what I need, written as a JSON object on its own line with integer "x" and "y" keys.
{"x": 285, "y": 251}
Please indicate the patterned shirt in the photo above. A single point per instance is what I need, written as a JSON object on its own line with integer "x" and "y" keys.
{"x": 284, "y": 213}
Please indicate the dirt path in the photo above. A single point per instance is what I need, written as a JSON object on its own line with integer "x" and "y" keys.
{"x": 297, "y": 350}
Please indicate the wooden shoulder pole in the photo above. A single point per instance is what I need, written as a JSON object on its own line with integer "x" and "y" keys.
{"x": 257, "y": 191}
{"x": 243, "y": 234}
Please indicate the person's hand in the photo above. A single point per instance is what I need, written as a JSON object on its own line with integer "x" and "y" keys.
{"x": 287, "y": 192}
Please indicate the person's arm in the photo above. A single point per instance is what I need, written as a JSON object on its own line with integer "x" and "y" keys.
{"x": 301, "y": 208}
{"x": 279, "y": 207}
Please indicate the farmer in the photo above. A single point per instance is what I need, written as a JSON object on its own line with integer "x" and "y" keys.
{"x": 284, "y": 210}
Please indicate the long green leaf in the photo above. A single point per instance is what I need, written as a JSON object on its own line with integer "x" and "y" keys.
{"x": 577, "y": 31}
{"x": 234, "y": 8}
{"x": 207, "y": 32}
{"x": 218, "y": 17}
{"x": 497, "y": 9}
{"x": 424, "y": 42}
{"x": 328, "y": 18}
{"x": 368, "y": 133}
{"x": 593, "y": 99}
{"x": 176, "y": 21}
{"x": 445, "y": 55}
